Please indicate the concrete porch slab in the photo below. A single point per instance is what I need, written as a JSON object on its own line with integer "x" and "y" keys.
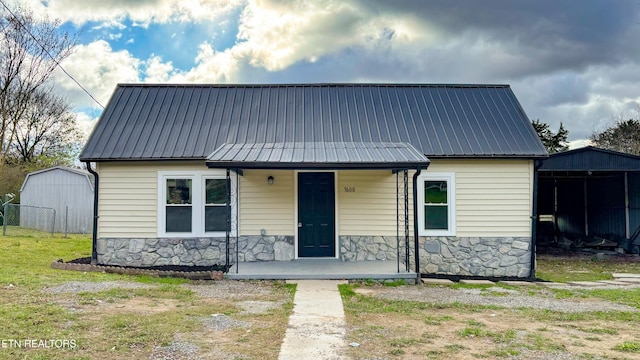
{"x": 319, "y": 269}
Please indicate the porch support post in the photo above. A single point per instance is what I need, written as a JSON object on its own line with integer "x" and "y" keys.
{"x": 237, "y": 222}
{"x": 398, "y": 221}
{"x": 228, "y": 227}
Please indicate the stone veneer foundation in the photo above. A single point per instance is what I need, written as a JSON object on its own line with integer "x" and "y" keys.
{"x": 192, "y": 251}
{"x": 471, "y": 256}
{"x": 359, "y": 248}
{"x": 476, "y": 256}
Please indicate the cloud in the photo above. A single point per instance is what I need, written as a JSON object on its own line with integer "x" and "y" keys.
{"x": 157, "y": 71}
{"x": 575, "y": 64}
{"x": 98, "y": 68}
{"x": 140, "y": 12}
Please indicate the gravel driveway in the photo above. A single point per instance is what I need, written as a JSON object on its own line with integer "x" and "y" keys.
{"x": 543, "y": 299}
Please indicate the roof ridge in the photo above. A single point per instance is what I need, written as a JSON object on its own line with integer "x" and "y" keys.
{"x": 266, "y": 85}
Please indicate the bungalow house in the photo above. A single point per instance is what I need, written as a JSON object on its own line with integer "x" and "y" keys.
{"x": 231, "y": 174}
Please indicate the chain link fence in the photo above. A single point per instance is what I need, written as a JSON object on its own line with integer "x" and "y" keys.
{"x": 16, "y": 218}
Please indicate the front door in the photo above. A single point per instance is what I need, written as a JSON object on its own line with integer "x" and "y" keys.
{"x": 316, "y": 214}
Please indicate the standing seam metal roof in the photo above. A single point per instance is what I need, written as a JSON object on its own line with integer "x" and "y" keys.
{"x": 161, "y": 122}
{"x": 362, "y": 155}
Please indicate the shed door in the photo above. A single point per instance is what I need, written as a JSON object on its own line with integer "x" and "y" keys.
{"x": 316, "y": 214}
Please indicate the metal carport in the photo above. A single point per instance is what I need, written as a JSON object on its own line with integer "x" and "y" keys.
{"x": 590, "y": 192}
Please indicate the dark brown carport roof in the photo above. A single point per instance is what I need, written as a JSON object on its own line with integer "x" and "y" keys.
{"x": 316, "y": 155}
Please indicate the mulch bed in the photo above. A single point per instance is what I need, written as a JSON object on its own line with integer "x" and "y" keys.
{"x": 214, "y": 272}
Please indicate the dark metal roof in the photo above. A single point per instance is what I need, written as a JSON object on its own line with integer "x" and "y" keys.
{"x": 147, "y": 122}
{"x": 591, "y": 158}
{"x": 296, "y": 155}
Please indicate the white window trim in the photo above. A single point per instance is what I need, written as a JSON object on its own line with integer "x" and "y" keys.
{"x": 450, "y": 178}
{"x": 198, "y": 202}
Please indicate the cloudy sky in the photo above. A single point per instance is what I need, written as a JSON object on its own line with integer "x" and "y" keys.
{"x": 569, "y": 61}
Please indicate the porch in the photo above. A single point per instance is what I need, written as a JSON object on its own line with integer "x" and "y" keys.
{"x": 325, "y": 269}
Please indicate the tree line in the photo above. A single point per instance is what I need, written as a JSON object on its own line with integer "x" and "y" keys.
{"x": 622, "y": 136}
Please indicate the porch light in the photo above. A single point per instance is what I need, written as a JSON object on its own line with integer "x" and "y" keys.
{"x": 270, "y": 180}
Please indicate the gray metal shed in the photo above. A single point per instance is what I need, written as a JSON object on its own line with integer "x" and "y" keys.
{"x": 591, "y": 192}
{"x": 68, "y": 191}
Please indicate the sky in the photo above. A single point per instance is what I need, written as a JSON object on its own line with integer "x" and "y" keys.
{"x": 575, "y": 62}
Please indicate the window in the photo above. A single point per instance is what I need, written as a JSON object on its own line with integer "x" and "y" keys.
{"x": 215, "y": 215}
{"x": 436, "y": 204}
{"x": 192, "y": 204}
{"x": 178, "y": 214}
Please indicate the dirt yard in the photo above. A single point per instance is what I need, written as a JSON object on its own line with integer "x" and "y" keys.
{"x": 436, "y": 322}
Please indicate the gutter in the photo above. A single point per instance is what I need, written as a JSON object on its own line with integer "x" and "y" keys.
{"x": 537, "y": 164}
{"x": 94, "y": 240}
{"x": 415, "y": 224}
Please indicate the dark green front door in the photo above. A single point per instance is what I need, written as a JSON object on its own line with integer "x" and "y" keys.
{"x": 316, "y": 214}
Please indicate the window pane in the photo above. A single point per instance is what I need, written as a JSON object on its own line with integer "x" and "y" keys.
{"x": 435, "y": 192}
{"x": 436, "y": 217}
{"x": 178, "y": 191}
{"x": 178, "y": 219}
{"x": 216, "y": 191}
{"x": 215, "y": 218}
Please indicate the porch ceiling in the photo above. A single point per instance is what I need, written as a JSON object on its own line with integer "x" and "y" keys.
{"x": 318, "y": 155}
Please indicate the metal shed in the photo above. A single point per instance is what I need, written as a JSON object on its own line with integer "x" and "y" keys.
{"x": 589, "y": 193}
{"x": 68, "y": 191}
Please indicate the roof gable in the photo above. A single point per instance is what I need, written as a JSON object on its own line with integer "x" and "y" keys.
{"x": 72, "y": 171}
{"x": 146, "y": 122}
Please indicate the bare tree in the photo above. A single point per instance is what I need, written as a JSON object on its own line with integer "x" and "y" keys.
{"x": 30, "y": 50}
{"x": 47, "y": 128}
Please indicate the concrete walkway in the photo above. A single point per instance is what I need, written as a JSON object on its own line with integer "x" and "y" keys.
{"x": 317, "y": 326}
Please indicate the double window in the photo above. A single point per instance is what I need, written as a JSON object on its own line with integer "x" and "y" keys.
{"x": 436, "y": 204}
{"x": 192, "y": 204}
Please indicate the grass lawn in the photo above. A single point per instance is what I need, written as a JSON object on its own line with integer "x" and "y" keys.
{"x": 120, "y": 323}
{"x": 584, "y": 267}
{"x": 161, "y": 313}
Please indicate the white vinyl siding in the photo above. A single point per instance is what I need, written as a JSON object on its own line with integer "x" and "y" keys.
{"x": 128, "y": 197}
{"x": 264, "y": 206}
{"x": 493, "y": 197}
{"x": 370, "y": 209}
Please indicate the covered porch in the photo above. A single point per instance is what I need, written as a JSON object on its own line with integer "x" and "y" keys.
{"x": 324, "y": 236}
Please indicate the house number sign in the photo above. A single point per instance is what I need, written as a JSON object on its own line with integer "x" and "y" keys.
{"x": 349, "y": 189}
